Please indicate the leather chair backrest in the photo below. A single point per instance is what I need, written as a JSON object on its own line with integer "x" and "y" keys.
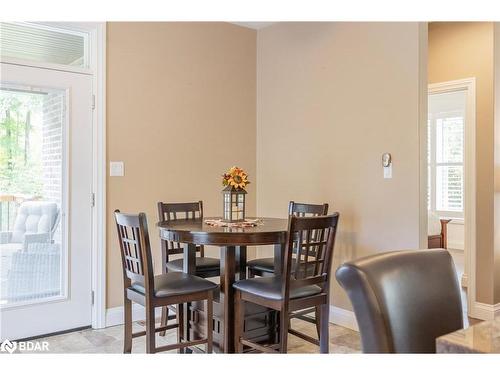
{"x": 403, "y": 300}
{"x": 34, "y": 217}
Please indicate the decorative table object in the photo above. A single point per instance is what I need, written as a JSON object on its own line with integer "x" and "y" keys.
{"x": 247, "y": 223}
{"x": 233, "y": 195}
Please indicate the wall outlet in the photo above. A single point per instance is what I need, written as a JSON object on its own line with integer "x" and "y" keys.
{"x": 116, "y": 169}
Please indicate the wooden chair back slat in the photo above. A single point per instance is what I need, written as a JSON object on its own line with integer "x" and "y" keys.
{"x": 135, "y": 249}
{"x": 308, "y": 265}
{"x": 309, "y": 253}
{"x": 178, "y": 211}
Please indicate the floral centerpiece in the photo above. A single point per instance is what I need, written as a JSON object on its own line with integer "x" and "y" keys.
{"x": 235, "y": 181}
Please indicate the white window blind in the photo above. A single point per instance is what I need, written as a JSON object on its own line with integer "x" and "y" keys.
{"x": 43, "y": 43}
{"x": 446, "y": 130}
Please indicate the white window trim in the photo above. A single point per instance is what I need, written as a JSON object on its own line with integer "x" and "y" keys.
{"x": 468, "y": 84}
{"x": 433, "y": 164}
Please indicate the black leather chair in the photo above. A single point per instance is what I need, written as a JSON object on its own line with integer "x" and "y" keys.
{"x": 142, "y": 287}
{"x": 403, "y": 300}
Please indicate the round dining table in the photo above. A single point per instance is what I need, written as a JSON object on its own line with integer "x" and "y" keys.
{"x": 233, "y": 242}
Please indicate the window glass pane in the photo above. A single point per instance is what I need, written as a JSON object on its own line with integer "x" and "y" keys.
{"x": 42, "y": 43}
{"x": 31, "y": 151}
{"x": 449, "y": 188}
{"x": 450, "y": 139}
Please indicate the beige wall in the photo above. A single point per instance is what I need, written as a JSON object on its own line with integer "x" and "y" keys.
{"x": 461, "y": 50}
{"x": 331, "y": 99}
{"x": 180, "y": 102}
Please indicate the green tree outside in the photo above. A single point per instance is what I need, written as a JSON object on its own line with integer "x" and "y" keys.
{"x": 20, "y": 143}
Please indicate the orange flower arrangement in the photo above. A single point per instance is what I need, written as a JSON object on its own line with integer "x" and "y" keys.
{"x": 235, "y": 177}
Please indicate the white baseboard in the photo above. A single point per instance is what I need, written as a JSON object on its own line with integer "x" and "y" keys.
{"x": 114, "y": 315}
{"x": 343, "y": 317}
{"x": 485, "y": 311}
{"x": 457, "y": 246}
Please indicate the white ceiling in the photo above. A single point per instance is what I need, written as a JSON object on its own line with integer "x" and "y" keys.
{"x": 254, "y": 25}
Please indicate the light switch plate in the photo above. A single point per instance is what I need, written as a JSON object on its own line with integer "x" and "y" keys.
{"x": 116, "y": 168}
{"x": 388, "y": 171}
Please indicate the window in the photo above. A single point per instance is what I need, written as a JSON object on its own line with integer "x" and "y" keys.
{"x": 446, "y": 130}
{"x": 43, "y": 44}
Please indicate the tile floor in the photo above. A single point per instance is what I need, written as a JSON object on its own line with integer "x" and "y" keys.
{"x": 110, "y": 340}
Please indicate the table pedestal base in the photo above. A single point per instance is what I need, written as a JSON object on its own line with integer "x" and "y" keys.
{"x": 261, "y": 324}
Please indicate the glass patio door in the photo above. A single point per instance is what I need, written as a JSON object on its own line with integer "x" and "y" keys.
{"x": 45, "y": 210}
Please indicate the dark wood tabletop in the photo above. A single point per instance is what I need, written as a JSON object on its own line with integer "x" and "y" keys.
{"x": 233, "y": 243}
{"x": 270, "y": 231}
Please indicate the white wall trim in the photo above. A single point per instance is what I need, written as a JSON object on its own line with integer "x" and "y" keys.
{"x": 98, "y": 62}
{"x": 485, "y": 311}
{"x": 464, "y": 281}
{"x": 343, "y": 317}
{"x": 422, "y": 131}
{"x": 468, "y": 84}
{"x": 114, "y": 315}
{"x": 455, "y": 245}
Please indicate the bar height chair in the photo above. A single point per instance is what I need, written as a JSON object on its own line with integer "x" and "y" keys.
{"x": 205, "y": 266}
{"x": 305, "y": 282}
{"x": 265, "y": 266}
{"x": 142, "y": 287}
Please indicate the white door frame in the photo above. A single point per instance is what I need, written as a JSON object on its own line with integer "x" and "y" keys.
{"x": 97, "y": 68}
{"x": 98, "y": 63}
{"x": 468, "y": 85}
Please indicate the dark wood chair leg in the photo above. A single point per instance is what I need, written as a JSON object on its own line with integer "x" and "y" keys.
{"x": 284, "y": 323}
{"x": 180, "y": 328}
{"x": 187, "y": 326}
{"x": 127, "y": 337}
{"x": 164, "y": 319}
{"x": 275, "y": 337}
{"x": 150, "y": 330}
{"x": 210, "y": 328}
{"x": 324, "y": 334}
{"x": 317, "y": 315}
{"x": 239, "y": 316}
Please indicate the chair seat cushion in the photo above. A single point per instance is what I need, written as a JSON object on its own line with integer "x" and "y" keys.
{"x": 270, "y": 288}
{"x": 176, "y": 283}
{"x": 262, "y": 264}
{"x": 202, "y": 264}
